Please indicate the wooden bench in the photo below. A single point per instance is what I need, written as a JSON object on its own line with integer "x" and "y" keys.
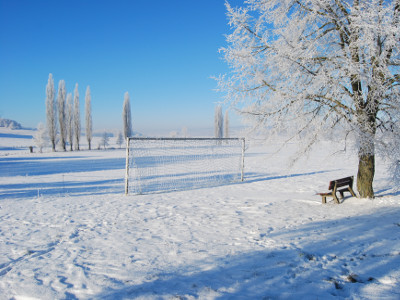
{"x": 340, "y": 185}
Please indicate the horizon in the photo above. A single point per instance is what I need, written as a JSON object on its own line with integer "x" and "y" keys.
{"x": 163, "y": 54}
{"x": 200, "y": 132}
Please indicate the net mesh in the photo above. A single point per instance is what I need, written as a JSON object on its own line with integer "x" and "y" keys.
{"x": 161, "y": 165}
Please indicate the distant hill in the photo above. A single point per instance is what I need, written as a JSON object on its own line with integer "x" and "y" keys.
{"x": 10, "y": 124}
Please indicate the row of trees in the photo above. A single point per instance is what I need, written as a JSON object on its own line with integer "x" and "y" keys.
{"x": 69, "y": 120}
{"x": 105, "y": 138}
{"x": 221, "y": 124}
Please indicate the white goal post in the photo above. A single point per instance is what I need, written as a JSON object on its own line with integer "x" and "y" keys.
{"x": 155, "y": 165}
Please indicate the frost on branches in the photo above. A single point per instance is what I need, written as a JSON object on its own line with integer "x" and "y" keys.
{"x": 319, "y": 66}
{"x": 40, "y": 137}
{"x": 88, "y": 117}
{"x": 51, "y": 110}
{"x": 70, "y": 121}
{"x": 77, "y": 118}
{"x": 126, "y": 116}
{"x": 218, "y": 122}
{"x": 61, "y": 96}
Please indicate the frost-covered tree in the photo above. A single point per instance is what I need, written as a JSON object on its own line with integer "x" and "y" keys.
{"x": 395, "y": 168}
{"x": 120, "y": 139}
{"x": 126, "y": 116}
{"x": 40, "y": 137}
{"x": 184, "y": 132}
{"x": 51, "y": 112}
{"x": 226, "y": 125}
{"x": 319, "y": 66}
{"x": 77, "y": 118}
{"x": 218, "y": 122}
{"x": 88, "y": 117}
{"x": 70, "y": 121}
{"x": 104, "y": 139}
{"x": 62, "y": 113}
{"x": 173, "y": 134}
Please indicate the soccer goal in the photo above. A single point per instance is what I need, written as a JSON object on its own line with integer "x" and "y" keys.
{"x": 156, "y": 165}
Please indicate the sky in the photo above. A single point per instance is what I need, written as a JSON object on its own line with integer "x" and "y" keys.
{"x": 163, "y": 53}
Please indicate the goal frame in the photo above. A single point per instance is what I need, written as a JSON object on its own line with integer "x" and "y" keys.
{"x": 128, "y": 139}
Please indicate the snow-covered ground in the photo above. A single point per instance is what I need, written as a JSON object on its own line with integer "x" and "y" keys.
{"x": 68, "y": 232}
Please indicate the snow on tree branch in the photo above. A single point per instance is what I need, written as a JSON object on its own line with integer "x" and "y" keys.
{"x": 319, "y": 65}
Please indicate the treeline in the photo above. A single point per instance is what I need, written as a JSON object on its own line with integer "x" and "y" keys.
{"x": 67, "y": 112}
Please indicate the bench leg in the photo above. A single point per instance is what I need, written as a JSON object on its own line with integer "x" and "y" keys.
{"x": 349, "y": 189}
{"x": 352, "y": 192}
{"x": 324, "y": 199}
{"x": 336, "y": 198}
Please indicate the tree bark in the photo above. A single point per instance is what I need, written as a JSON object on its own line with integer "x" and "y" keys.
{"x": 365, "y": 176}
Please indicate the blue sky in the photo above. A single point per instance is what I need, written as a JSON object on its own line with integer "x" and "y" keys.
{"x": 163, "y": 53}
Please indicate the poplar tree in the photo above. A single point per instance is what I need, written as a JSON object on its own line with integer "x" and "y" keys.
{"x": 61, "y": 113}
{"x": 77, "y": 118}
{"x": 51, "y": 112}
{"x": 88, "y": 117}
{"x": 226, "y": 125}
{"x": 126, "y": 116}
{"x": 218, "y": 122}
{"x": 70, "y": 120}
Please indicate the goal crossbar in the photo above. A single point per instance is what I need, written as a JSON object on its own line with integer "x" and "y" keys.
{"x": 169, "y": 164}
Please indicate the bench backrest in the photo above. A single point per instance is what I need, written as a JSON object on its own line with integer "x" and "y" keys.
{"x": 347, "y": 181}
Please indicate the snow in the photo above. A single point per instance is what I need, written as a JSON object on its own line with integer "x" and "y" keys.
{"x": 68, "y": 232}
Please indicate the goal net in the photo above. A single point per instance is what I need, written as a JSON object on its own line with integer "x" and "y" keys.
{"x": 170, "y": 164}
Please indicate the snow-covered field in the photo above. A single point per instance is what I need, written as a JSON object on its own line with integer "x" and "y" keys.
{"x": 68, "y": 232}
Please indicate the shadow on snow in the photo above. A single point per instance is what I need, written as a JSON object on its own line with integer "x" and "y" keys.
{"x": 15, "y": 136}
{"x": 256, "y": 177}
{"x": 68, "y": 169}
{"x": 66, "y": 176}
{"x": 96, "y": 187}
{"x": 330, "y": 259}
{"x": 49, "y": 166}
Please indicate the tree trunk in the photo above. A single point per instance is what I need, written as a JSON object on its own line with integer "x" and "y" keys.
{"x": 365, "y": 176}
